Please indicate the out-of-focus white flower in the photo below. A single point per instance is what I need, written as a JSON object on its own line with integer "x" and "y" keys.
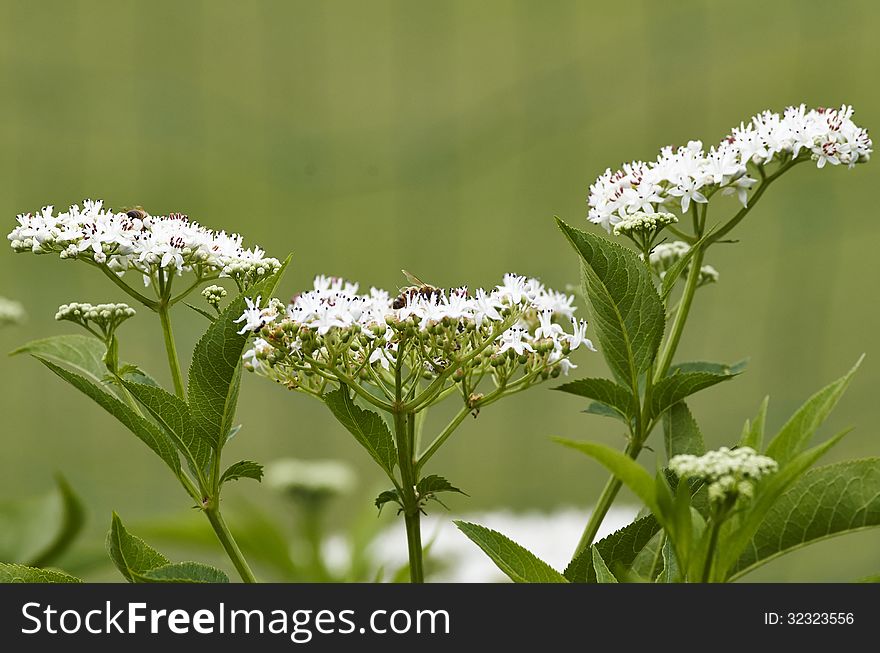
{"x": 11, "y": 312}
{"x": 680, "y": 176}
{"x": 310, "y": 478}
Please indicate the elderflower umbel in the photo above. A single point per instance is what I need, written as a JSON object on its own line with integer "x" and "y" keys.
{"x": 310, "y": 479}
{"x": 729, "y": 472}
{"x": 11, "y": 312}
{"x": 100, "y": 319}
{"x": 137, "y": 241}
{"x": 512, "y": 333}
{"x": 685, "y": 175}
{"x": 214, "y": 295}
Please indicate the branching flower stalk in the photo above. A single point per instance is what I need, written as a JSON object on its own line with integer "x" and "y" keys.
{"x": 402, "y": 355}
{"x": 159, "y": 249}
{"x": 640, "y": 200}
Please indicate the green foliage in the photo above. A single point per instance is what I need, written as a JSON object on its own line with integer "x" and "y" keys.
{"x": 138, "y": 562}
{"x": 11, "y": 573}
{"x": 667, "y": 285}
{"x": 83, "y": 354}
{"x": 826, "y": 501}
{"x": 798, "y": 431}
{"x": 679, "y": 385}
{"x": 147, "y": 431}
{"x": 604, "y": 391}
{"x": 387, "y": 496}
{"x": 618, "y": 549}
{"x": 753, "y": 432}
{"x": 681, "y": 434}
{"x": 626, "y": 310}
{"x": 603, "y": 574}
{"x": 243, "y": 469}
{"x": 38, "y": 531}
{"x": 432, "y": 484}
{"x": 519, "y": 564}
{"x": 215, "y": 372}
{"x": 367, "y": 427}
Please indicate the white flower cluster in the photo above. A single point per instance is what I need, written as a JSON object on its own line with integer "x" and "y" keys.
{"x": 11, "y": 312}
{"x": 106, "y": 318}
{"x": 517, "y": 322}
{"x": 135, "y": 240}
{"x": 665, "y": 255}
{"x": 688, "y": 174}
{"x": 214, "y": 295}
{"x": 729, "y": 472}
{"x": 310, "y": 479}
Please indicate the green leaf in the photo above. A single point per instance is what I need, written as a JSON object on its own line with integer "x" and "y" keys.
{"x": 173, "y": 413}
{"x": 753, "y": 432}
{"x": 10, "y": 573}
{"x": 73, "y": 518}
{"x": 672, "y": 389}
{"x": 432, "y": 484}
{"x": 623, "y": 467}
{"x": 605, "y": 391}
{"x": 626, "y": 310}
{"x": 681, "y": 433}
{"x": 519, "y": 564}
{"x": 711, "y": 367}
{"x": 740, "y": 531}
{"x": 825, "y": 502}
{"x": 367, "y": 427}
{"x": 83, "y": 354}
{"x": 387, "y": 497}
{"x": 618, "y": 549}
{"x": 603, "y": 410}
{"x": 202, "y": 312}
{"x": 798, "y": 431}
{"x": 243, "y": 469}
{"x": 215, "y": 372}
{"x": 132, "y": 556}
{"x": 148, "y": 432}
{"x": 185, "y": 572}
{"x": 603, "y": 574}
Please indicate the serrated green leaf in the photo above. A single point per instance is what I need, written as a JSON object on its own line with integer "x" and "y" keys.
{"x": 623, "y": 467}
{"x": 619, "y": 548}
{"x": 672, "y": 389}
{"x": 367, "y": 427}
{"x": 10, "y": 573}
{"x": 825, "y": 502}
{"x": 709, "y": 366}
{"x": 739, "y": 532}
{"x": 797, "y": 432}
{"x": 627, "y": 313}
{"x": 520, "y": 565}
{"x": 681, "y": 433}
{"x": 215, "y": 372}
{"x": 604, "y": 391}
{"x": 753, "y": 432}
{"x": 185, "y": 572}
{"x": 243, "y": 469}
{"x": 387, "y": 496}
{"x": 173, "y": 413}
{"x": 603, "y": 574}
{"x": 83, "y": 354}
{"x": 149, "y": 433}
{"x": 604, "y": 410}
{"x": 432, "y": 484}
{"x": 132, "y": 556}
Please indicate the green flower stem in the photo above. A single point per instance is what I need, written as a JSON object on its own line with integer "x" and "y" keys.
{"x": 229, "y": 544}
{"x": 171, "y": 351}
{"x": 710, "y": 554}
{"x": 681, "y": 315}
{"x": 440, "y": 439}
{"x": 131, "y": 292}
{"x": 609, "y": 493}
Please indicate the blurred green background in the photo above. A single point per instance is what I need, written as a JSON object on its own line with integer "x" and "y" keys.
{"x": 441, "y": 137}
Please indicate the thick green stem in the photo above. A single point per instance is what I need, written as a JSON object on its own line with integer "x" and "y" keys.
{"x": 609, "y": 493}
{"x": 710, "y": 554}
{"x": 171, "y": 351}
{"x": 230, "y": 545}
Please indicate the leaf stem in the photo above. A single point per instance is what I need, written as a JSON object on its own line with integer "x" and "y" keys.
{"x": 681, "y": 315}
{"x": 171, "y": 350}
{"x": 229, "y": 544}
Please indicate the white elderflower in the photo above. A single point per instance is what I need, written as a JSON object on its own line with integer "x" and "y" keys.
{"x": 100, "y": 319}
{"x": 135, "y": 241}
{"x": 11, "y": 312}
{"x": 643, "y": 223}
{"x": 310, "y": 479}
{"x": 729, "y": 473}
{"x": 214, "y": 295}
{"x": 685, "y": 175}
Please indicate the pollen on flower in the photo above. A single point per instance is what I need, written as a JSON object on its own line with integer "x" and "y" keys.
{"x": 729, "y": 472}
{"x": 685, "y": 175}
